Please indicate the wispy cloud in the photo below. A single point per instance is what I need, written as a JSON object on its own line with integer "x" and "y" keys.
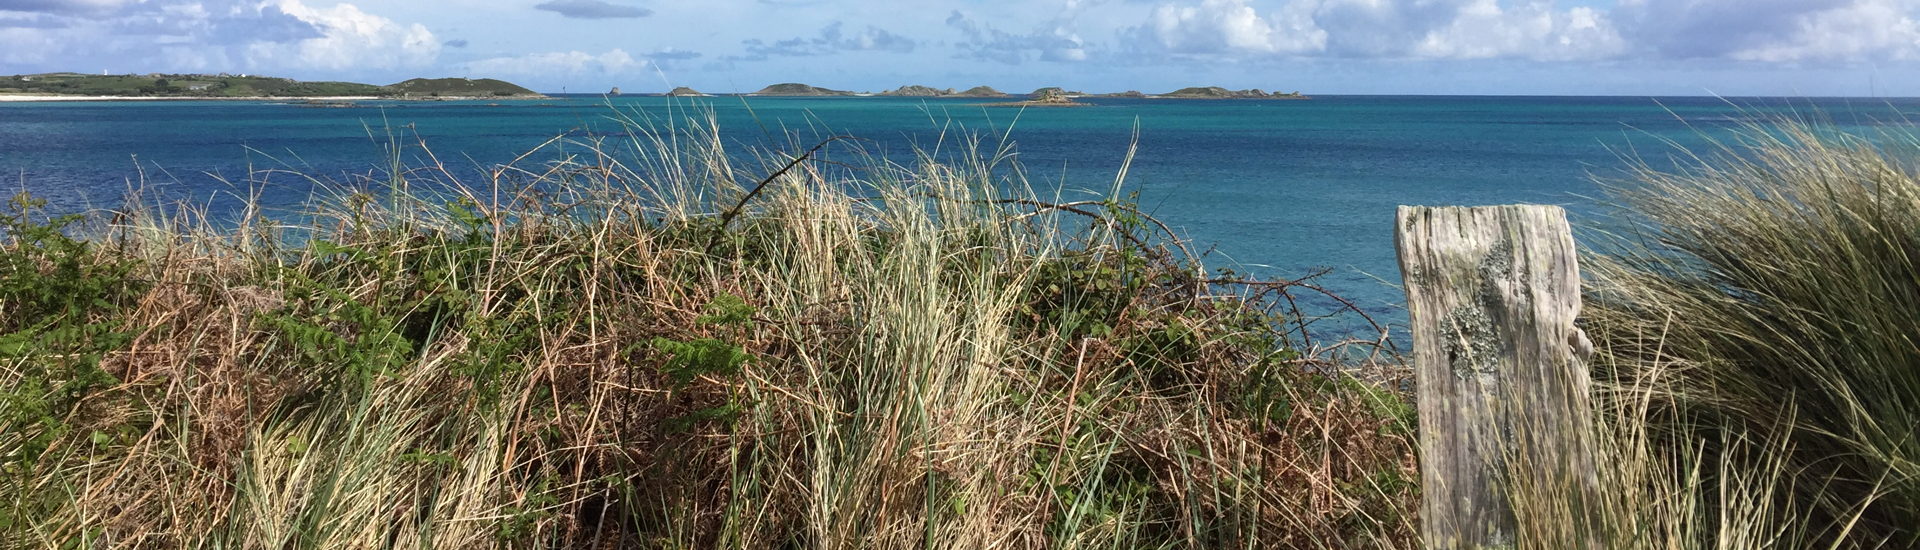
{"x": 615, "y": 61}
{"x": 592, "y": 9}
{"x": 832, "y": 39}
{"x": 93, "y": 8}
{"x": 31, "y": 22}
{"x": 1053, "y": 41}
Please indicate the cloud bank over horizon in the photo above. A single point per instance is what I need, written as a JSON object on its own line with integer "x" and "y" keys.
{"x": 1638, "y": 47}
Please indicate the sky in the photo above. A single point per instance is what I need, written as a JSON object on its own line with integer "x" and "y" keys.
{"x": 1859, "y": 48}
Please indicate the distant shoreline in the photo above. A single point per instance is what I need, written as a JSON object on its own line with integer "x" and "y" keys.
{"x": 6, "y": 98}
{"x": 11, "y": 98}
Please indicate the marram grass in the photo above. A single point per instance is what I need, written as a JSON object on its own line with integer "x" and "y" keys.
{"x": 637, "y": 344}
{"x": 1757, "y": 320}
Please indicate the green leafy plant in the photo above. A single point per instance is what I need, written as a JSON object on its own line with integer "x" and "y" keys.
{"x": 60, "y": 314}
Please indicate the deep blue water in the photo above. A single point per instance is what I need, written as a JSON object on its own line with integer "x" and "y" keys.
{"x": 1276, "y": 188}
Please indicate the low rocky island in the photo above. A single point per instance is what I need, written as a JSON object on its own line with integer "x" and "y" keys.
{"x": 917, "y": 91}
{"x": 924, "y": 91}
{"x": 461, "y": 87}
{"x": 792, "y": 89}
{"x": 1044, "y": 97}
{"x": 1055, "y": 90}
{"x": 1216, "y": 92}
{"x": 982, "y": 91}
{"x": 684, "y": 91}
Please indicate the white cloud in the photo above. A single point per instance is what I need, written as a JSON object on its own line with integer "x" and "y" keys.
{"x": 1483, "y": 29}
{"x": 1772, "y": 31}
{"x": 1394, "y": 29}
{"x": 1863, "y": 30}
{"x": 349, "y": 39}
{"x": 283, "y": 37}
{"x": 1228, "y": 26}
{"x": 615, "y": 61}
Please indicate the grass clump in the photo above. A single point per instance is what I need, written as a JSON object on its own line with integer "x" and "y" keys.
{"x": 640, "y": 344}
{"x": 1761, "y": 307}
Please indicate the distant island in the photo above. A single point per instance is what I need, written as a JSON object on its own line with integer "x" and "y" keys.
{"x": 53, "y": 86}
{"x": 228, "y": 86}
{"x": 461, "y": 87}
{"x": 923, "y": 91}
{"x": 791, "y": 89}
{"x": 1049, "y": 96}
{"x": 1044, "y": 97}
{"x": 1216, "y": 92}
{"x": 1197, "y": 92}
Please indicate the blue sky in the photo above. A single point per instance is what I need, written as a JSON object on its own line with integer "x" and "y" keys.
{"x": 1578, "y": 47}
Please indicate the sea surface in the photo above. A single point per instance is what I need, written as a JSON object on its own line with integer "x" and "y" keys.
{"x": 1269, "y": 188}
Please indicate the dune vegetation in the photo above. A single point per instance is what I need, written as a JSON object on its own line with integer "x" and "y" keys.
{"x": 1757, "y": 308}
{"x": 664, "y": 343}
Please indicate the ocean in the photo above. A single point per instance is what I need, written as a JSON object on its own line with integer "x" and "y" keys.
{"x": 1268, "y": 188}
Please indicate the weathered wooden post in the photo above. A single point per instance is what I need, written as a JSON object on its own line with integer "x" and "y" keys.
{"x": 1492, "y": 293}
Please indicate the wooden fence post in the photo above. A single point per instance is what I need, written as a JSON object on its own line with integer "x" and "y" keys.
{"x": 1492, "y": 293}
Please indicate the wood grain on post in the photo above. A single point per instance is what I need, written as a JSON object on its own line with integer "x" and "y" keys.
{"x": 1492, "y": 293}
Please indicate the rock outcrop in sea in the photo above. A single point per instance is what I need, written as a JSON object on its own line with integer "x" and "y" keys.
{"x": 797, "y": 89}
{"x": 1053, "y": 90}
{"x": 1051, "y": 95}
{"x": 684, "y": 91}
{"x": 1044, "y": 97}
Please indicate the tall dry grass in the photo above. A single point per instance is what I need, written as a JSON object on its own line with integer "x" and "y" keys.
{"x": 648, "y": 343}
{"x": 1756, "y": 318}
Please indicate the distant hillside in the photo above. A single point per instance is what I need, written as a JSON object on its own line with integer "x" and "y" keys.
{"x": 227, "y": 85}
{"x": 796, "y": 89}
{"x": 179, "y": 85}
{"x": 461, "y": 87}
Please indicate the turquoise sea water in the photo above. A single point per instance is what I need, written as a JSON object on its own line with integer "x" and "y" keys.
{"x": 1275, "y": 188}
